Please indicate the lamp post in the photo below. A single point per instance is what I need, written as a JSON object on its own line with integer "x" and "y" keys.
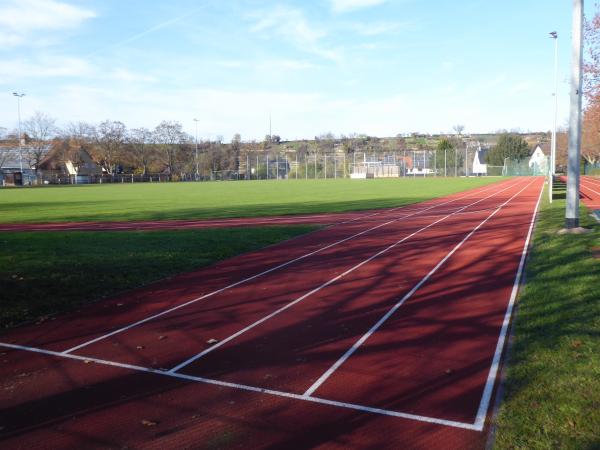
{"x": 19, "y": 96}
{"x": 197, "y": 163}
{"x": 552, "y": 168}
{"x": 573, "y": 166}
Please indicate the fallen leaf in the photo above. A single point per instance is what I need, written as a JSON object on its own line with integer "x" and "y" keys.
{"x": 212, "y": 341}
{"x": 149, "y": 423}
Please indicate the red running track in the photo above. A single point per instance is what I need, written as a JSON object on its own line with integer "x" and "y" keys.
{"x": 378, "y": 334}
{"x": 589, "y": 189}
{"x": 308, "y": 219}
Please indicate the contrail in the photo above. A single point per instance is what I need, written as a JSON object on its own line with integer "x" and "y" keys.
{"x": 150, "y": 30}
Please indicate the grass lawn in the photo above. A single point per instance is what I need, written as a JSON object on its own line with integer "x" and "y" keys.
{"x": 552, "y": 397}
{"x": 45, "y": 273}
{"x": 156, "y": 201}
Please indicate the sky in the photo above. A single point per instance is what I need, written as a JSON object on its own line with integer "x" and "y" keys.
{"x": 378, "y": 67}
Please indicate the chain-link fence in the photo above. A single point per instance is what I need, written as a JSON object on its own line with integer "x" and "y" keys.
{"x": 526, "y": 167}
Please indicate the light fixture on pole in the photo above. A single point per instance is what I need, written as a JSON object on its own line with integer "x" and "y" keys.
{"x": 573, "y": 164}
{"x": 197, "y": 163}
{"x": 19, "y": 96}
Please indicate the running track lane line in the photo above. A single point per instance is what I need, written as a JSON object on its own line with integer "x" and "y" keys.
{"x": 491, "y": 380}
{"x": 324, "y": 285}
{"x": 581, "y": 185}
{"x": 409, "y": 294}
{"x": 244, "y": 387}
{"x": 272, "y": 269}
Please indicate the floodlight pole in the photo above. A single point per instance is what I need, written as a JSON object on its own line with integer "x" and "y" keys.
{"x": 573, "y": 166}
{"x": 19, "y": 96}
{"x": 197, "y": 162}
{"x": 552, "y": 168}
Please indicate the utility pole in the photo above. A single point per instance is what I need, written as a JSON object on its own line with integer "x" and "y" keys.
{"x": 573, "y": 166}
{"x": 19, "y": 96}
{"x": 197, "y": 161}
{"x": 552, "y": 168}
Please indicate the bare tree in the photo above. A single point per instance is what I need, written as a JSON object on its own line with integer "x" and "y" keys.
{"x": 110, "y": 138}
{"x": 169, "y": 137}
{"x": 459, "y": 128}
{"x": 141, "y": 140}
{"x": 40, "y": 128}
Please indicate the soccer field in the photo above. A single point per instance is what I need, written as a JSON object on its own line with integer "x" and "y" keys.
{"x": 161, "y": 201}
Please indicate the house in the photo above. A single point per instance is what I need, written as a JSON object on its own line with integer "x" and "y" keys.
{"x": 75, "y": 165}
{"x": 16, "y": 165}
{"x": 538, "y": 158}
{"x": 479, "y": 165}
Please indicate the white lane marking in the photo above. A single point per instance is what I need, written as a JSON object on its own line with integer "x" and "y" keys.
{"x": 272, "y": 269}
{"x": 588, "y": 188}
{"x": 244, "y": 387}
{"x": 324, "y": 285}
{"x": 409, "y": 294}
{"x": 489, "y": 385}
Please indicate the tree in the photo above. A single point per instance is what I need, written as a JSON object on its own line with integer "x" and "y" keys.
{"x": 459, "y": 128}
{"x": 590, "y": 145}
{"x": 592, "y": 56}
{"x": 169, "y": 137}
{"x": 110, "y": 138}
{"x": 140, "y": 140}
{"x": 509, "y": 146}
{"x": 40, "y": 128}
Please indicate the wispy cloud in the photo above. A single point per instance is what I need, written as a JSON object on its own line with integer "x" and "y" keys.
{"x": 341, "y": 6}
{"x": 19, "y": 19}
{"x": 44, "y": 67}
{"x": 292, "y": 25}
{"x": 378, "y": 28}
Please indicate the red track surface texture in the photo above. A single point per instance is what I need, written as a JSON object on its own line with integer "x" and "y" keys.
{"x": 318, "y": 219}
{"x": 379, "y": 333}
{"x": 589, "y": 191}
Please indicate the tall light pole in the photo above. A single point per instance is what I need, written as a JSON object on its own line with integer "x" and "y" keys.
{"x": 19, "y": 96}
{"x": 552, "y": 168}
{"x": 573, "y": 166}
{"x": 197, "y": 163}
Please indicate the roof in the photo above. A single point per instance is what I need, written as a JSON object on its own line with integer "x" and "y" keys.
{"x": 9, "y": 156}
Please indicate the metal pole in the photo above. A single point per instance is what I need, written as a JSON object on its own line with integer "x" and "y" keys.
{"x": 552, "y": 168}
{"x": 277, "y": 168}
{"x": 325, "y": 165}
{"x": 315, "y": 166}
{"x": 573, "y": 166}
{"x": 435, "y": 163}
{"x": 248, "y": 172}
{"x": 445, "y": 163}
{"x": 555, "y": 103}
{"x": 297, "y": 165}
{"x": 197, "y": 162}
{"x": 19, "y": 96}
{"x": 466, "y": 164}
{"x": 455, "y": 163}
{"x": 414, "y": 163}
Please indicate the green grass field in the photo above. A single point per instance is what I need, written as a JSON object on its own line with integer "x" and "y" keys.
{"x": 157, "y": 201}
{"x": 552, "y": 397}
